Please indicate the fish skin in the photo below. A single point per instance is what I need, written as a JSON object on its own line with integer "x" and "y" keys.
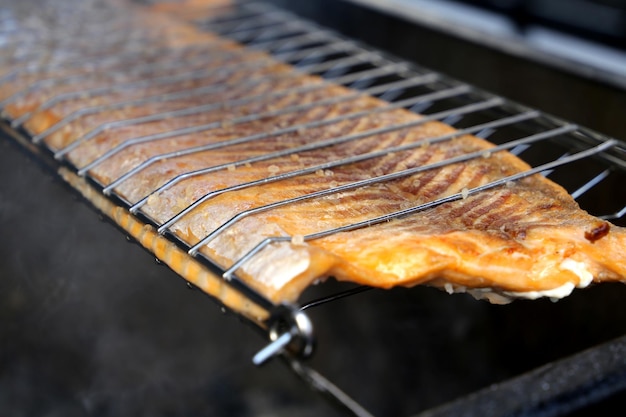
{"x": 527, "y": 238}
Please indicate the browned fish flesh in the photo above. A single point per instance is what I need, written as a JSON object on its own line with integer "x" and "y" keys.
{"x": 275, "y": 210}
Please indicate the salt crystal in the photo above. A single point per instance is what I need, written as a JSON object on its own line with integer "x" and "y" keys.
{"x": 297, "y": 240}
{"x": 152, "y": 199}
{"x": 273, "y": 169}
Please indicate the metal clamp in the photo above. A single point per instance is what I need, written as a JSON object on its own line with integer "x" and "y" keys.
{"x": 290, "y": 331}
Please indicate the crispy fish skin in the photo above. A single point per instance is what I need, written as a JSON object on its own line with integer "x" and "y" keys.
{"x": 545, "y": 254}
{"x": 84, "y": 125}
{"x": 525, "y": 239}
{"x": 74, "y": 80}
{"x": 44, "y": 118}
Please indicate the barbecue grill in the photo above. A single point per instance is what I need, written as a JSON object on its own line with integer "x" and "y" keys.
{"x": 437, "y": 354}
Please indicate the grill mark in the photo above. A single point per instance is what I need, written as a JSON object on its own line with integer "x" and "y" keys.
{"x": 67, "y": 106}
{"x": 348, "y": 205}
{"x": 103, "y": 79}
{"x": 459, "y": 212}
{"x": 374, "y": 196}
{"x": 261, "y": 147}
{"x": 83, "y": 42}
{"x": 416, "y": 184}
{"x": 449, "y": 175}
{"x": 104, "y": 68}
{"x": 389, "y": 162}
{"x": 373, "y": 143}
{"x": 485, "y": 217}
{"x": 109, "y": 139}
{"x": 510, "y": 222}
{"x": 270, "y": 144}
{"x": 482, "y": 216}
{"x": 89, "y": 122}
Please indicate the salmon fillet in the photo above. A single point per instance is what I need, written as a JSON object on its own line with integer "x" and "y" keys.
{"x": 273, "y": 198}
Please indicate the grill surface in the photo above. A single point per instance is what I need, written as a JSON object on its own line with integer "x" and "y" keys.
{"x": 591, "y": 166}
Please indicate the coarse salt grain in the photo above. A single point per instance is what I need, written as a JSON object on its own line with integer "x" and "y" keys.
{"x": 297, "y": 240}
{"x": 152, "y": 199}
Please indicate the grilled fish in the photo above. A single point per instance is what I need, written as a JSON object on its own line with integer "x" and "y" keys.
{"x": 294, "y": 179}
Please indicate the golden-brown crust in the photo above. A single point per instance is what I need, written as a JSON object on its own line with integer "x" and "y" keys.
{"x": 523, "y": 239}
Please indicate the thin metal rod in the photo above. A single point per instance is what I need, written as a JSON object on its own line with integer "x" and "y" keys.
{"x": 272, "y": 44}
{"x": 187, "y": 111}
{"x": 247, "y": 11}
{"x": 127, "y": 56}
{"x": 177, "y": 113}
{"x": 327, "y": 388}
{"x": 141, "y": 69}
{"x": 197, "y": 110}
{"x": 234, "y": 121}
{"x": 272, "y": 349}
{"x": 616, "y": 215}
{"x": 265, "y": 135}
{"x": 334, "y": 297}
{"x": 345, "y": 161}
{"x": 375, "y": 180}
{"x": 278, "y": 132}
{"x": 219, "y": 83}
{"x": 590, "y": 184}
{"x": 317, "y": 51}
{"x": 271, "y": 30}
{"x": 253, "y": 65}
{"x": 397, "y": 214}
{"x": 241, "y": 21}
{"x": 75, "y": 44}
{"x": 304, "y": 171}
{"x": 294, "y": 128}
{"x": 197, "y": 60}
{"x": 209, "y": 126}
{"x": 257, "y": 24}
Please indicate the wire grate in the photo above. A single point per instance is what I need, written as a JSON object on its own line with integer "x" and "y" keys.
{"x": 200, "y": 85}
